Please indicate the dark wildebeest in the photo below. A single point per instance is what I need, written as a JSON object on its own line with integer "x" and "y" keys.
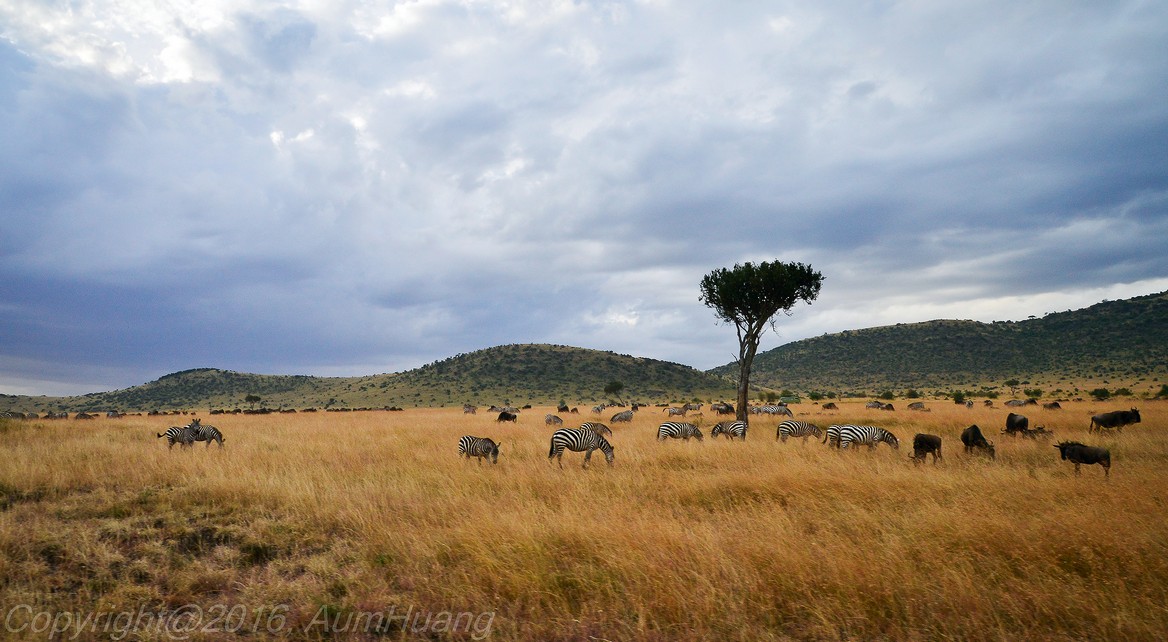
{"x": 1054, "y": 405}
{"x": 1117, "y": 420}
{"x": 887, "y": 406}
{"x": 1015, "y": 424}
{"x": 923, "y": 445}
{"x": 508, "y": 416}
{"x": 723, "y": 408}
{"x": 972, "y": 438}
{"x": 1077, "y": 453}
{"x": 830, "y": 406}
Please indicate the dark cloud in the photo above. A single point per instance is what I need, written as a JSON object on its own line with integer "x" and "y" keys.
{"x": 344, "y": 190}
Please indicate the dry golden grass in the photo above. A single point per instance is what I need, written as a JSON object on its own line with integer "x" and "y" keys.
{"x": 355, "y": 513}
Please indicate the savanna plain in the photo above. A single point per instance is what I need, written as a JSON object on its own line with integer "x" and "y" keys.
{"x": 319, "y": 525}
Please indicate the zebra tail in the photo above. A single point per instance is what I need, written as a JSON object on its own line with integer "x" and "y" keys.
{"x": 159, "y": 435}
{"x": 552, "y": 450}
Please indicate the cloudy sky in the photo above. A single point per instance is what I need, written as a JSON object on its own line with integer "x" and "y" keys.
{"x": 350, "y": 187}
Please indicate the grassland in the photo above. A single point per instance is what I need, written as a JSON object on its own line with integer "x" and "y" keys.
{"x": 306, "y": 524}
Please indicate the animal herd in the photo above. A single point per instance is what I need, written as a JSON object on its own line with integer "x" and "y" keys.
{"x": 590, "y": 436}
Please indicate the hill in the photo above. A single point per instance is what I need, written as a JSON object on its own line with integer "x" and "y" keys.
{"x": 1113, "y": 343}
{"x": 515, "y": 374}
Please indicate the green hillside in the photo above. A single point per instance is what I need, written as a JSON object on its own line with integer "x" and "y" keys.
{"x": 514, "y": 374}
{"x": 1113, "y": 343}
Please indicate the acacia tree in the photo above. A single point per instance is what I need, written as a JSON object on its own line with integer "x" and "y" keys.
{"x": 749, "y": 296}
{"x": 613, "y": 388}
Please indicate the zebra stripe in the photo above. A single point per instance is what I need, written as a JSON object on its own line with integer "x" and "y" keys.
{"x": 471, "y": 446}
{"x": 792, "y": 428}
{"x": 772, "y": 410}
{"x": 626, "y": 415}
{"x": 596, "y": 427}
{"x": 184, "y": 436}
{"x": 550, "y": 419}
{"x": 678, "y": 430}
{"x": 207, "y": 433}
{"x": 577, "y": 440}
{"x": 731, "y": 429}
{"x": 845, "y": 435}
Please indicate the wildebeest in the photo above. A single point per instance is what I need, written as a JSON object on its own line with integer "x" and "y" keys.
{"x": 507, "y": 416}
{"x": 923, "y": 445}
{"x": 1117, "y": 419}
{"x": 563, "y": 407}
{"x": 887, "y": 406}
{"x": 1054, "y": 405}
{"x": 917, "y": 405}
{"x": 722, "y": 408}
{"x": 1015, "y": 424}
{"x": 830, "y": 406}
{"x": 972, "y": 438}
{"x": 1078, "y": 453}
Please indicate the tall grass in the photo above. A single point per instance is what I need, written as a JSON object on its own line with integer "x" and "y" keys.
{"x": 359, "y": 512}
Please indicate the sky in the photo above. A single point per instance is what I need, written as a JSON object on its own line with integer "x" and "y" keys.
{"x": 353, "y": 187}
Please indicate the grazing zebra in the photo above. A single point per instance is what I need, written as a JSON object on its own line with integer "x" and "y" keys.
{"x": 585, "y": 438}
{"x": 792, "y": 428}
{"x": 697, "y": 407}
{"x": 552, "y": 420}
{"x": 598, "y": 409}
{"x": 731, "y": 429}
{"x": 845, "y": 435}
{"x": 468, "y": 409}
{"x": 596, "y": 427}
{"x": 676, "y": 412}
{"x": 678, "y": 430}
{"x": 622, "y": 416}
{"x": 206, "y": 433}
{"x": 471, "y": 446}
{"x": 184, "y": 436}
{"x": 772, "y": 410}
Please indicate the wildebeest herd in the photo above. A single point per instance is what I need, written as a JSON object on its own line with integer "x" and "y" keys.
{"x": 591, "y": 436}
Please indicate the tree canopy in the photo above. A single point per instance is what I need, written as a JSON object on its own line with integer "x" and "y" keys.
{"x": 749, "y": 296}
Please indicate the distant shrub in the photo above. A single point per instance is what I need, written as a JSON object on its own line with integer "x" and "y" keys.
{"x": 1101, "y": 394}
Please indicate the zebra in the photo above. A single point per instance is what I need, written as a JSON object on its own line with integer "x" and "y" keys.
{"x": 845, "y": 435}
{"x": 676, "y": 412}
{"x": 678, "y": 430}
{"x": 693, "y": 406}
{"x": 550, "y": 420}
{"x": 585, "y": 438}
{"x": 471, "y": 446}
{"x": 596, "y": 427}
{"x": 627, "y": 415}
{"x": 207, "y": 433}
{"x": 792, "y": 428}
{"x": 731, "y": 429}
{"x": 598, "y": 409}
{"x": 772, "y": 410}
{"x": 184, "y": 436}
{"x": 468, "y": 409}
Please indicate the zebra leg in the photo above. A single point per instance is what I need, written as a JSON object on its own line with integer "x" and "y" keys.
{"x": 587, "y": 458}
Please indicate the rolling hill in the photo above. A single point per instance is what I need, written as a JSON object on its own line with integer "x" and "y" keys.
{"x": 1115, "y": 344}
{"x": 512, "y": 374}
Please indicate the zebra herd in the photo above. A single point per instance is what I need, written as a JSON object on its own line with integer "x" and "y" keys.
{"x": 186, "y": 436}
{"x": 590, "y": 437}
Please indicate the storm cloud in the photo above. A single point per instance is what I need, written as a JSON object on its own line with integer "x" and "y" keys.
{"x": 358, "y": 187}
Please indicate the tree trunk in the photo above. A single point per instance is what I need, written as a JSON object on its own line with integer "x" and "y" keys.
{"x": 747, "y": 347}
